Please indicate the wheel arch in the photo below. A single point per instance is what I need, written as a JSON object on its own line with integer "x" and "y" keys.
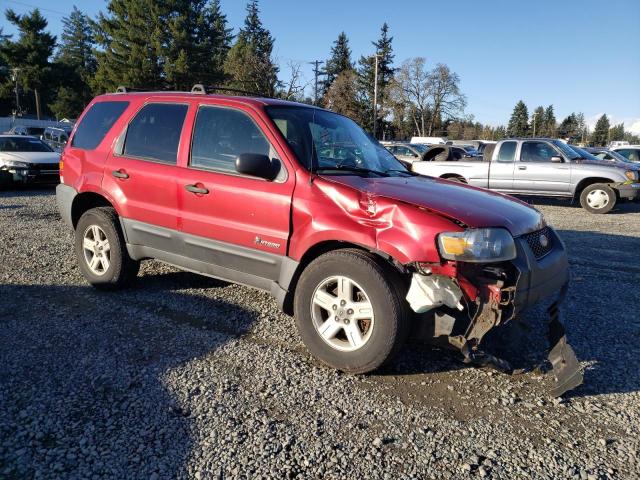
{"x": 320, "y": 249}
{"x": 86, "y": 201}
{"x": 585, "y": 182}
{"x": 449, "y": 176}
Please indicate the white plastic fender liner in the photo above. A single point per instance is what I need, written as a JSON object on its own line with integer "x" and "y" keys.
{"x": 431, "y": 291}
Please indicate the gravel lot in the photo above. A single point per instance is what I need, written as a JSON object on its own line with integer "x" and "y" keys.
{"x": 187, "y": 377}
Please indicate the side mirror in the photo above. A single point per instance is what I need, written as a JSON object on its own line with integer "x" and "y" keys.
{"x": 256, "y": 165}
{"x": 556, "y": 159}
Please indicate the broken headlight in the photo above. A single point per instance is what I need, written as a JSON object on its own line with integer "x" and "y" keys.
{"x": 477, "y": 245}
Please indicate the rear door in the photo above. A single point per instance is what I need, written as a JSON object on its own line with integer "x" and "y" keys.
{"x": 536, "y": 173}
{"x": 237, "y": 222}
{"x": 502, "y": 165}
{"x": 141, "y": 175}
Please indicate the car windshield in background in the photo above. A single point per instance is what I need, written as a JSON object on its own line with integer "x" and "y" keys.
{"x": 23, "y": 144}
{"x": 420, "y": 147}
{"x": 332, "y": 143}
{"x": 567, "y": 150}
{"x": 584, "y": 154}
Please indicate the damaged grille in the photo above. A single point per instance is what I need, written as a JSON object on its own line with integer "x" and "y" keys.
{"x": 540, "y": 242}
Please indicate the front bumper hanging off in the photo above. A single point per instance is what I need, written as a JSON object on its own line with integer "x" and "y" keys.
{"x": 498, "y": 300}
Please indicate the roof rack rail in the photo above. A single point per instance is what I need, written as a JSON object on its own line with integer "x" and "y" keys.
{"x": 202, "y": 89}
{"x": 125, "y": 89}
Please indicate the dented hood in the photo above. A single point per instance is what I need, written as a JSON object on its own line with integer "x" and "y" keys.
{"x": 472, "y": 206}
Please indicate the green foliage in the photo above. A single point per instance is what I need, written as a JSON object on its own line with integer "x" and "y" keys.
{"x": 342, "y": 96}
{"x": 249, "y": 64}
{"x": 30, "y": 54}
{"x": 519, "y": 121}
{"x": 537, "y": 122}
{"x": 339, "y": 61}
{"x": 600, "y": 134}
{"x": 549, "y": 123}
{"x": 616, "y": 132}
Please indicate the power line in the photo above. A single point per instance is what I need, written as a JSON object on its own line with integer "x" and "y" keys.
{"x": 29, "y": 5}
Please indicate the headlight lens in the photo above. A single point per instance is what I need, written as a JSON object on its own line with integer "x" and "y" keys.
{"x": 15, "y": 164}
{"x": 477, "y": 245}
{"x": 631, "y": 175}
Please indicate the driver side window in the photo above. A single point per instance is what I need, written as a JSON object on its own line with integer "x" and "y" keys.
{"x": 537, "y": 152}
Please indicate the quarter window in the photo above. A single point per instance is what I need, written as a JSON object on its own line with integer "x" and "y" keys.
{"x": 154, "y": 133}
{"x": 537, "y": 152}
{"x": 220, "y": 135}
{"x": 95, "y": 124}
{"x": 507, "y": 152}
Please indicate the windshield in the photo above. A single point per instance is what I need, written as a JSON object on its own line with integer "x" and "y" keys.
{"x": 584, "y": 154}
{"x": 23, "y": 144}
{"x": 420, "y": 147}
{"x": 567, "y": 150}
{"x": 617, "y": 156}
{"x": 331, "y": 142}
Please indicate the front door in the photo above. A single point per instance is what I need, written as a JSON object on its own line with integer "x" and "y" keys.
{"x": 536, "y": 172}
{"x": 237, "y": 222}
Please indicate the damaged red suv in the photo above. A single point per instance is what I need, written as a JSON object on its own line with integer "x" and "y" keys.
{"x": 300, "y": 202}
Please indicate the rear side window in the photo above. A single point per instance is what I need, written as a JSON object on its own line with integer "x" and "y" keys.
{"x": 507, "y": 152}
{"x": 221, "y": 135}
{"x": 154, "y": 133}
{"x": 95, "y": 124}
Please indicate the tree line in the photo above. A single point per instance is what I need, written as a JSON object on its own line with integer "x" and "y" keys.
{"x": 174, "y": 44}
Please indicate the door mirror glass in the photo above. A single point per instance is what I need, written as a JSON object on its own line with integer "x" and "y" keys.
{"x": 556, "y": 159}
{"x": 256, "y": 165}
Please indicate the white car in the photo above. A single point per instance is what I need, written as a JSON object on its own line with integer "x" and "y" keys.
{"x": 631, "y": 152}
{"x": 25, "y": 159}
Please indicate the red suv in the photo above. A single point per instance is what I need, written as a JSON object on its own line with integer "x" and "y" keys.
{"x": 300, "y": 202}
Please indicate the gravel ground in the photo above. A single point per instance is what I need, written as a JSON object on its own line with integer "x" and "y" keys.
{"x": 186, "y": 377}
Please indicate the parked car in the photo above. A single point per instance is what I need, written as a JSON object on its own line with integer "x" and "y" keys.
{"x": 631, "y": 152}
{"x": 25, "y": 159}
{"x": 300, "y": 202}
{"x": 26, "y": 130}
{"x": 542, "y": 167}
{"x": 604, "y": 153}
{"x": 407, "y": 153}
{"x": 57, "y": 137}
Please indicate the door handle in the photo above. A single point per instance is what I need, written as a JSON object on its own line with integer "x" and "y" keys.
{"x": 197, "y": 188}
{"x": 120, "y": 174}
{"x": 522, "y": 167}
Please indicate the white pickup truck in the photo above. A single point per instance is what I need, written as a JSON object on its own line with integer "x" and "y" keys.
{"x": 540, "y": 167}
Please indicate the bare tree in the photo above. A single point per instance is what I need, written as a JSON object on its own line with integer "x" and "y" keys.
{"x": 294, "y": 87}
{"x": 444, "y": 92}
{"x": 411, "y": 87}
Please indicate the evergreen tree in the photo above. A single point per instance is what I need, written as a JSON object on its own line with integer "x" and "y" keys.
{"x": 342, "y": 96}
{"x": 499, "y": 133}
{"x": 549, "y": 122}
{"x": 74, "y": 66}
{"x": 339, "y": 62}
{"x": 197, "y": 43}
{"x": 569, "y": 128}
{"x": 616, "y": 132}
{"x": 600, "y": 135}
{"x": 537, "y": 122}
{"x": 519, "y": 122}
{"x": 249, "y": 64}
{"x": 30, "y": 53}
{"x": 132, "y": 36}
{"x": 366, "y": 78}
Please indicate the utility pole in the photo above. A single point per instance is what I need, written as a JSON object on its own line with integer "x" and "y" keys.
{"x": 14, "y": 77}
{"x": 375, "y": 97}
{"x": 535, "y": 115}
{"x": 316, "y": 73}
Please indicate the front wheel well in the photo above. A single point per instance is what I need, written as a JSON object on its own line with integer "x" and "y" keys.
{"x": 320, "y": 249}
{"x": 584, "y": 183}
{"x": 454, "y": 176}
{"x": 86, "y": 201}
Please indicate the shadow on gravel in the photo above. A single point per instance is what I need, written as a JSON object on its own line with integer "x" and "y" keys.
{"x": 28, "y": 190}
{"x": 85, "y": 383}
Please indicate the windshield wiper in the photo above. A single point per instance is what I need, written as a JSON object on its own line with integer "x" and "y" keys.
{"x": 397, "y": 170}
{"x": 346, "y": 168}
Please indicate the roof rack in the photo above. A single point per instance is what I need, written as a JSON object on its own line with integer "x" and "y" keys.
{"x": 198, "y": 88}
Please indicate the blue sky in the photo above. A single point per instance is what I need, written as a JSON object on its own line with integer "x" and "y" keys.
{"x": 579, "y": 55}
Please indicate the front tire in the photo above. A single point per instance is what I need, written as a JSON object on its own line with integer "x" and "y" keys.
{"x": 350, "y": 311}
{"x": 598, "y": 198}
{"x": 101, "y": 250}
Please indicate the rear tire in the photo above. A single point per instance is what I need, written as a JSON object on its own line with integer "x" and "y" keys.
{"x": 598, "y": 198}
{"x": 345, "y": 290}
{"x": 101, "y": 250}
